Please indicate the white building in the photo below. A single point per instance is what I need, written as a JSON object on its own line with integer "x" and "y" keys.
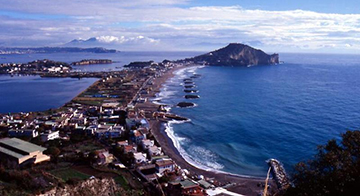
{"x": 164, "y": 165}
{"x": 146, "y": 144}
{"x": 155, "y": 151}
{"x": 139, "y": 157}
{"x": 49, "y": 135}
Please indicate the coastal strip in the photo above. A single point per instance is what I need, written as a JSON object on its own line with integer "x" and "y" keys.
{"x": 240, "y": 184}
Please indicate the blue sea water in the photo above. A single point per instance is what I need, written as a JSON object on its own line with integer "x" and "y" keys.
{"x": 32, "y": 93}
{"x": 246, "y": 115}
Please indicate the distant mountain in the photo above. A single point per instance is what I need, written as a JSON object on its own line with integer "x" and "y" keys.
{"x": 237, "y": 55}
{"x": 112, "y": 41}
{"x": 54, "y": 50}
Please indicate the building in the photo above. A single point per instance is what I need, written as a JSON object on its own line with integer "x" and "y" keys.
{"x": 31, "y": 133}
{"x": 49, "y": 135}
{"x": 19, "y": 152}
{"x": 187, "y": 187}
{"x": 146, "y": 144}
{"x": 154, "y": 151}
{"x": 139, "y": 157}
{"x": 164, "y": 165}
{"x": 130, "y": 149}
{"x": 137, "y": 136}
{"x": 104, "y": 157}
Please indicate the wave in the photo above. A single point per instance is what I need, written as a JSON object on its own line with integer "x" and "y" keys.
{"x": 208, "y": 165}
{"x": 202, "y": 158}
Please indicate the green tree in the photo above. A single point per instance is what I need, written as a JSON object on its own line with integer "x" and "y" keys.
{"x": 335, "y": 169}
{"x": 53, "y": 151}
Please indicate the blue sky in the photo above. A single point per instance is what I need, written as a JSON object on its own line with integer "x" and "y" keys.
{"x": 330, "y": 26}
{"x": 324, "y": 6}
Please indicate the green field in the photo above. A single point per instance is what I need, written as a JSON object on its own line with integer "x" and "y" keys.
{"x": 122, "y": 182}
{"x": 68, "y": 173}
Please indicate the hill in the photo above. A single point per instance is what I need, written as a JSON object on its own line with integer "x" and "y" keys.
{"x": 236, "y": 54}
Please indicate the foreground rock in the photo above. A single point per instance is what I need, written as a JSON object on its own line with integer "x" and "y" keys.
{"x": 192, "y": 96}
{"x": 88, "y": 187}
{"x": 185, "y": 104}
{"x": 236, "y": 54}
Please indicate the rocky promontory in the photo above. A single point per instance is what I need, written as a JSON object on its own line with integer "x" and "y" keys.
{"x": 236, "y": 54}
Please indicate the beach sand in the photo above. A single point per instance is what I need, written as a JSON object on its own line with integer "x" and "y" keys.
{"x": 242, "y": 185}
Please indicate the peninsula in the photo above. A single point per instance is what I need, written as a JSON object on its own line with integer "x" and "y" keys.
{"x": 113, "y": 130}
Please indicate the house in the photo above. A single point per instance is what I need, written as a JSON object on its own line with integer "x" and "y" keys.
{"x": 19, "y": 152}
{"x": 31, "y": 133}
{"x": 154, "y": 151}
{"x": 49, "y": 135}
{"x": 130, "y": 148}
{"x": 139, "y": 157}
{"x": 146, "y": 144}
{"x": 137, "y": 136}
{"x": 104, "y": 157}
{"x": 187, "y": 187}
{"x": 109, "y": 131}
{"x": 164, "y": 165}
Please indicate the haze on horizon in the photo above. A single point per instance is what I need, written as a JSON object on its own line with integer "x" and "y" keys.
{"x": 326, "y": 26}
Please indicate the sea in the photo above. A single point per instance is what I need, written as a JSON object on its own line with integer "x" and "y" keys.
{"x": 247, "y": 115}
{"x": 33, "y": 93}
{"x": 244, "y": 116}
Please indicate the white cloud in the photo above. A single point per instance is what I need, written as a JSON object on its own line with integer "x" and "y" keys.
{"x": 180, "y": 26}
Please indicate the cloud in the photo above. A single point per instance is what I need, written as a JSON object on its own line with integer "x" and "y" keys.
{"x": 114, "y": 42}
{"x": 178, "y": 27}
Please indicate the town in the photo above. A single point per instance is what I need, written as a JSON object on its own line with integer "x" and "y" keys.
{"x": 104, "y": 132}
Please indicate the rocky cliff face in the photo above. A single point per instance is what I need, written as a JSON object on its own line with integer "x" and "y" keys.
{"x": 88, "y": 187}
{"x": 237, "y": 55}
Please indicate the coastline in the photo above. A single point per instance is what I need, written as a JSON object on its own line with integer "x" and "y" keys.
{"x": 247, "y": 185}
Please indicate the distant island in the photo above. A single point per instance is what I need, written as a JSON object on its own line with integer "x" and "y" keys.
{"x": 140, "y": 64}
{"x": 92, "y": 61}
{"x": 54, "y": 50}
{"x": 235, "y": 54}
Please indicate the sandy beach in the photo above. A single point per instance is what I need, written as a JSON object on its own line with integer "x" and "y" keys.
{"x": 241, "y": 185}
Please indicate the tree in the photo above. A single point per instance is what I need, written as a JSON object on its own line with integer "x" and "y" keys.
{"x": 53, "y": 151}
{"x": 335, "y": 169}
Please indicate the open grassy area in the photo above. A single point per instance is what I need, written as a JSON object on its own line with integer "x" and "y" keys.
{"x": 88, "y": 102}
{"x": 88, "y": 147}
{"x": 122, "y": 182}
{"x": 68, "y": 173}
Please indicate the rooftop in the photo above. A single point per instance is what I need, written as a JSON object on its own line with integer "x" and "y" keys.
{"x": 164, "y": 162}
{"x": 19, "y": 144}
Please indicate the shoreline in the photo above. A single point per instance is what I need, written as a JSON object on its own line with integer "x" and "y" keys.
{"x": 247, "y": 185}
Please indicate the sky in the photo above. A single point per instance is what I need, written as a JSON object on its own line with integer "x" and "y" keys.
{"x": 325, "y": 26}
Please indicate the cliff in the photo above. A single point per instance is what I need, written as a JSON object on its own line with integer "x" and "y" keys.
{"x": 237, "y": 55}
